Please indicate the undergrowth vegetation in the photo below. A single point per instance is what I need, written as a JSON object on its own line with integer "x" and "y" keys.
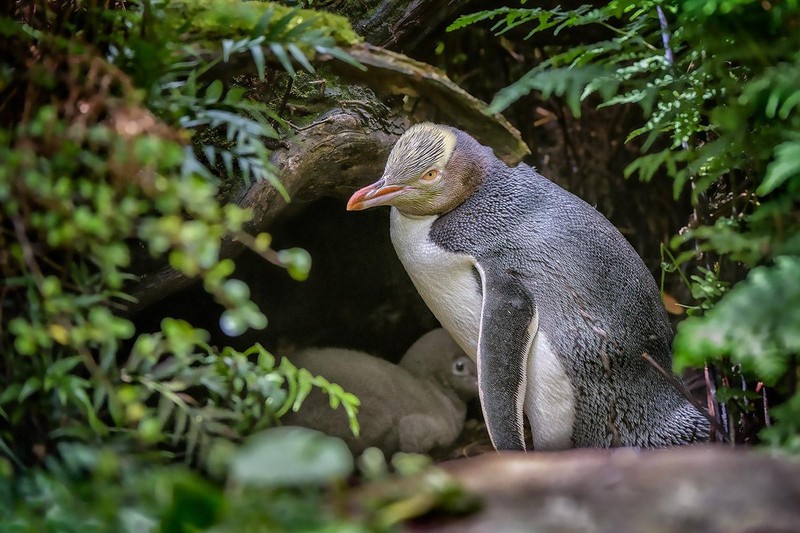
{"x": 718, "y": 86}
{"x": 108, "y": 165}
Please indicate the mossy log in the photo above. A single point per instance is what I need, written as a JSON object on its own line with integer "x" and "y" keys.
{"x": 398, "y": 74}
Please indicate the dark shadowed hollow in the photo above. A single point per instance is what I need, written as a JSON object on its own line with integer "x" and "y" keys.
{"x": 357, "y": 294}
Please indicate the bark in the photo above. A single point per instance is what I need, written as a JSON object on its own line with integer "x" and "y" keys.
{"x": 396, "y": 73}
{"x": 406, "y": 26}
{"x": 685, "y": 488}
{"x": 396, "y": 25}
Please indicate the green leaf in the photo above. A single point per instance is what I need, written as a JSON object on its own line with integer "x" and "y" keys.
{"x": 63, "y": 366}
{"x": 32, "y": 385}
{"x": 757, "y": 324}
{"x": 569, "y": 82}
{"x": 235, "y": 95}
{"x": 785, "y": 432}
{"x": 228, "y": 46}
{"x": 232, "y": 323}
{"x": 784, "y": 166}
{"x": 297, "y": 262}
{"x": 195, "y": 505}
{"x": 10, "y": 393}
{"x": 300, "y": 57}
{"x": 264, "y": 21}
{"x": 290, "y": 456}
{"x": 647, "y": 165}
{"x": 304, "y": 384}
{"x": 466, "y": 20}
{"x": 213, "y": 92}
{"x": 341, "y": 55}
{"x": 277, "y": 29}
{"x": 237, "y": 290}
{"x": 280, "y": 52}
{"x": 258, "y": 59}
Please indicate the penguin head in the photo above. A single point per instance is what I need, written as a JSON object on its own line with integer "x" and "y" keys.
{"x": 436, "y": 356}
{"x": 431, "y": 170}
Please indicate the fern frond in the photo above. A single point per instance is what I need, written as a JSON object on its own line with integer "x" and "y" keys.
{"x": 467, "y": 20}
{"x": 566, "y": 82}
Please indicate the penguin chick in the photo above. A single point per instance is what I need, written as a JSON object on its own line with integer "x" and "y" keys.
{"x": 415, "y": 406}
{"x": 437, "y": 356}
{"x": 540, "y": 290}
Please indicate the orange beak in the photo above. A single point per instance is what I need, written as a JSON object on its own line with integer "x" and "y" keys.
{"x": 374, "y": 195}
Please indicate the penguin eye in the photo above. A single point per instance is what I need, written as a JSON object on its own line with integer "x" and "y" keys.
{"x": 430, "y": 175}
{"x": 459, "y": 367}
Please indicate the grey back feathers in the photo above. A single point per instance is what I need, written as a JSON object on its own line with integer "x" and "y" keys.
{"x": 595, "y": 300}
{"x": 416, "y": 406}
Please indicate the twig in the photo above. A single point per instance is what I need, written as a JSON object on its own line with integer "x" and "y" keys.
{"x": 662, "y": 20}
{"x": 680, "y": 387}
{"x": 285, "y": 99}
{"x": 723, "y": 410}
{"x": 710, "y": 396}
{"x": 298, "y": 129}
{"x": 250, "y": 242}
{"x": 731, "y": 428}
{"x": 99, "y": 375}
{"x": 28, "y": 254}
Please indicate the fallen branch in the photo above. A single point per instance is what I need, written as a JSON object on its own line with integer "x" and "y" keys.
{"x": 396, "y": 73}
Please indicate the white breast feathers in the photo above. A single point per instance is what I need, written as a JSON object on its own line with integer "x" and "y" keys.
{"x": 445, "y": 280}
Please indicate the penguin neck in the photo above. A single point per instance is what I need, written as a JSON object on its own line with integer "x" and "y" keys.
{"x": 410, "y": 237}
{"x": 421, "y": 218}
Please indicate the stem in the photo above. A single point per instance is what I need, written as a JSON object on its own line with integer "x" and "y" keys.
{"x": 286, "y": 95}
{"x": 102, "y": 378}
{"x": 250, "y": 242}
{"x": 662, "y": 20}
{"x": 710, "y": 398}
{"x": 698, "y": 200}
{"x": 624, "y": 33}
{"x": 28, "y": 254}
{"x": 665, "y": 250}
{"x": 711, "y": 383}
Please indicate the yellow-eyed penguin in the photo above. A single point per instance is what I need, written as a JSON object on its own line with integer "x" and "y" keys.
{"x": 415, "y": 406}
{"x": 540, "y": 289}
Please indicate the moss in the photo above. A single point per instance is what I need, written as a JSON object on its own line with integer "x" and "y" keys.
{"x": 234, "y": 18}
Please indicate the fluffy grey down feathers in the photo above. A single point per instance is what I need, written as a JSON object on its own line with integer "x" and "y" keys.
{"x": 416, "y": 406}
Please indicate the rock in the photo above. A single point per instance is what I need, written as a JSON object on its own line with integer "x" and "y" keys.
{"x": 697, "y": 488}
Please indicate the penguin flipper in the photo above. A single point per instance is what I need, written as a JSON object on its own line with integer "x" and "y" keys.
{"x": 507, "y": 328}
